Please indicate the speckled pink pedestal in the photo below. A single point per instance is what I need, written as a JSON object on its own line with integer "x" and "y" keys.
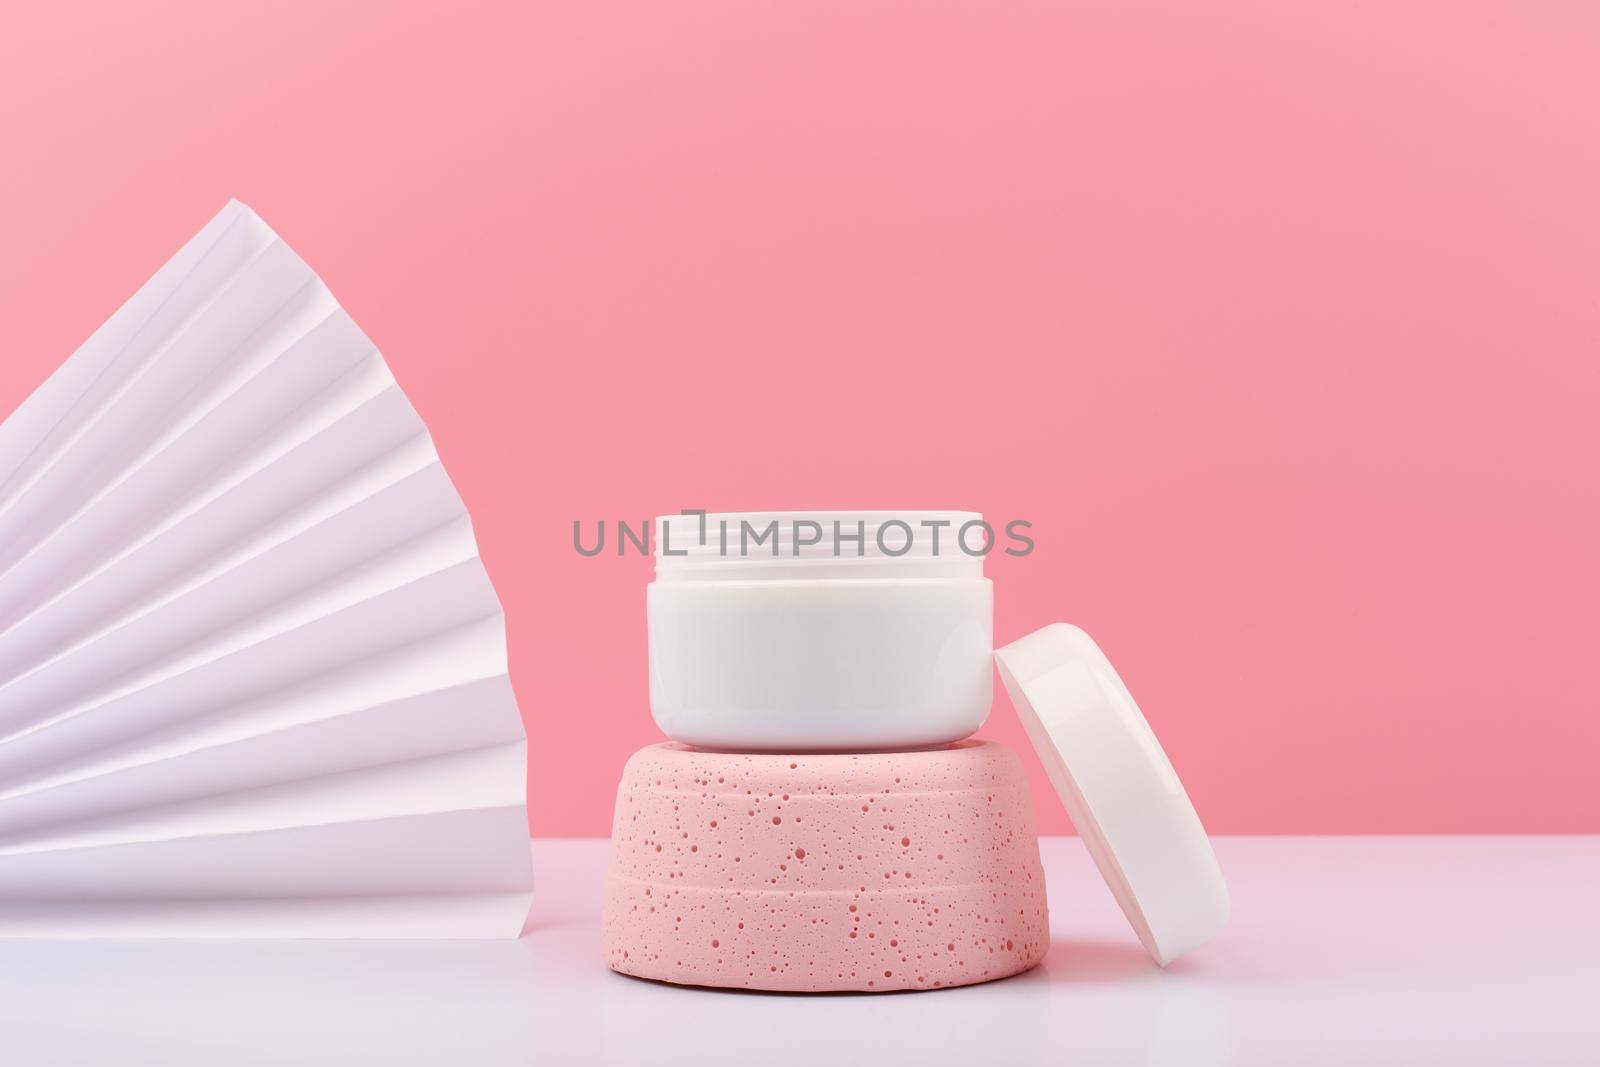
{"x": 824, "y": 872}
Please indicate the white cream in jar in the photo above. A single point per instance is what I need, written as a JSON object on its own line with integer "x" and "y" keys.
{"x": 821, "y": 631}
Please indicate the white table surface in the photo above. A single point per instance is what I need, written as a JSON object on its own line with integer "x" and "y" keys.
{"x": 1412, "y": 950}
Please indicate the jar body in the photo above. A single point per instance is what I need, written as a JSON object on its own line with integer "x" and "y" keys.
{"x": 830, "y": 664}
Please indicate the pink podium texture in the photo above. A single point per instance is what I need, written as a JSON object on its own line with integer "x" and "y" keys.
{"x": 823, "y": 873}
{"x": 1278, "y": 322}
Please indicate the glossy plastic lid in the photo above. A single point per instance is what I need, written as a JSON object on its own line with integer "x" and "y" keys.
{"x": 1118, "y": 787}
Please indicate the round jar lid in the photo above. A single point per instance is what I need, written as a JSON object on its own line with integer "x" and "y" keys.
{"x": 1118, "y": 788}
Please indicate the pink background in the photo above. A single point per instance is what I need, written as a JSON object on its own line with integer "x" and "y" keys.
{"x": 1279, "y": 321}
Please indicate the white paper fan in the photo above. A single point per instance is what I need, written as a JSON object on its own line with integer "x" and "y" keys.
{"x": 252, "y": 673}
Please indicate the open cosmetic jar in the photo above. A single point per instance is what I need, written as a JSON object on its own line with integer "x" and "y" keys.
{"x": 821, "y": 631}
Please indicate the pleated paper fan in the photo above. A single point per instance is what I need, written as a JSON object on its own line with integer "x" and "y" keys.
{"x": 252, "y": 671}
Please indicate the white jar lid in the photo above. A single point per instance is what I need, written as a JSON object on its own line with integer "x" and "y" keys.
{"x": 1118, "y": 788}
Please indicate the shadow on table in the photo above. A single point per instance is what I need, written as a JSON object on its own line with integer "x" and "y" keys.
{"x": 1087, "y": 962}
{"x": 287, "y": 1002}
{"x": 1067, "y": 962}
{"x": 526, "y": 1003}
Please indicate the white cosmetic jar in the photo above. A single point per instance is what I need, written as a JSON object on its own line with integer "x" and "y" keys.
{"x": 820, "y": 631}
